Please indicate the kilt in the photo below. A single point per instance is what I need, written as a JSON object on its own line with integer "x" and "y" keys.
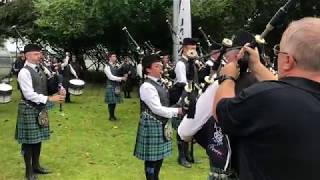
{"x": 49, "y": 105}
{"x": 110, "y": 95}
{"x": 27, "y": 129}
{"x": 150, "y": 144}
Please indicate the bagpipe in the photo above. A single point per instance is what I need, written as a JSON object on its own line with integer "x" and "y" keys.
{"x": 54, "y": 81}
{"x": 137, "y": 49}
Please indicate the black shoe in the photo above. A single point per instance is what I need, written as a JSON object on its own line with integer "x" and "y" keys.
{"x": 190, "y": 158}
{"x": 41, "y": 170}
{"x": 112, "y": 118}
{"x": 183, "y": 162}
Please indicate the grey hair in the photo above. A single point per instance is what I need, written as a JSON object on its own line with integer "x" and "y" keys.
{"x": 302, "y": 40}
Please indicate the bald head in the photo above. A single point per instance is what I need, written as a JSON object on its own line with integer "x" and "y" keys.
{"x": 302, "y": 40}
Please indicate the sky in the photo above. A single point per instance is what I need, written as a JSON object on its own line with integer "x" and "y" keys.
{"x": 10, "y": 45}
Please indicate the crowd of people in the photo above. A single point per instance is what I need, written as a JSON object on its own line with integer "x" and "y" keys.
{"x": 252, "y": 123}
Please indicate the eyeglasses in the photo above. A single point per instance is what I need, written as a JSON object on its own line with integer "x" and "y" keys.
{"x": 276, "y": 51}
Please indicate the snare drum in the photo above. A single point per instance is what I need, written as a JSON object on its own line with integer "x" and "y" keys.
{"x": 5, "y": 93}
{"x": 76, "y": 86}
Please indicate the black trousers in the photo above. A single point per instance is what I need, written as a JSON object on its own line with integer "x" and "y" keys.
{"x": 152, "y": 169}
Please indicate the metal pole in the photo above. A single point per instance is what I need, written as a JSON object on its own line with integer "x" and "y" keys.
{"x": 176, "y": 4}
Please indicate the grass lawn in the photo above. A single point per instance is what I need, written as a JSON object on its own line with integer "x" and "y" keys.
{"x": 85, "y": 145}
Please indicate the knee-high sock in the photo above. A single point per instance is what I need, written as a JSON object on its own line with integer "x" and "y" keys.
{"x": 152, "y": 169}
{"x": 26, "y": 150}
{"x": 111, "y": 108}
{"x": 36, "y": 150}
{"x": 158, "y": 167}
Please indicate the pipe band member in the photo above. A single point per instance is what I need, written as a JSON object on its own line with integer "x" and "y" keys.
{"x": 185, "y": 70}
{"x": 30, "y": 132}
{"x": 152, "y": 142}
{"x": 113, "y": 90}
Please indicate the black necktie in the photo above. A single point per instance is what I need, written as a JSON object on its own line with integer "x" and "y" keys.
{"x": 161, "y": 83}
{"x": 37, "y": 69}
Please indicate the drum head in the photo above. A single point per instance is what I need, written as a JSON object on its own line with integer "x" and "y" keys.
{"x": 5, "y": 87}
{"x": 77, "y": 82}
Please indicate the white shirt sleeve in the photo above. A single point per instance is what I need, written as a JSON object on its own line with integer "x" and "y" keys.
{"x": 181, "y": 74}
{"x": 109, "y": 75}
{"x": 150, "y": 96}
{"x": 189, "y": 127}
{"x": 139, "y": 70}
{"x": 25, "y": 83}
{"x": 73, "y": 72}
{"x": 65, "y": 62}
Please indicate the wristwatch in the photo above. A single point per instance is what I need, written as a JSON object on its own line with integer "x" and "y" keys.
{"x": 225, "y": 77}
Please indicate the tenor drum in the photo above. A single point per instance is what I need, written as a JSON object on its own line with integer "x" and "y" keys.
{"x": 5, "y": 93}
{"x": 76, "y": 86}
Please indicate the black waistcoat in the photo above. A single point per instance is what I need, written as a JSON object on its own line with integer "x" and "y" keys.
{"x": 114, "y": 71}
{"x": 164, "y": 99}
{"x": 39, "y": 84}
{"x": 191, "y": 70}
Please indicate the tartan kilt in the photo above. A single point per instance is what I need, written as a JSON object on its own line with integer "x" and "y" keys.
{"x": 28, "y": 130}
{"x": 176, "y": 122}
{"x": 49, "y": 105}
{"x": 110, "y": 95}
{"x": 150, "y": 144}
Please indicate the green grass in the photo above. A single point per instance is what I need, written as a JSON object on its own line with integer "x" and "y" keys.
{"x": 85, "y": 145}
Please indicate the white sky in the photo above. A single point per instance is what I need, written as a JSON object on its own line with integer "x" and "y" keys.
{"x": 10, "y": 45}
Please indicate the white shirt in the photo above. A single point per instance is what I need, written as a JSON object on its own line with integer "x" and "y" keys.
{"x": 139, "y": 70}
{"x": 149, "y": 95}
{"x": 109, "y": 75}
{"x": 181, "y": 73}
{"x": 189, "y": 127}
{"x": 25, "y": 83}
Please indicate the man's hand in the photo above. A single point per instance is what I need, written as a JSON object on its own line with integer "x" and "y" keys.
{"x": 254, "y": 57}
{"x": 125, "y": 77}
{"x": 56, "y": 98}
{"x": 256, "y": 67}
{"x": 62, "y": 91}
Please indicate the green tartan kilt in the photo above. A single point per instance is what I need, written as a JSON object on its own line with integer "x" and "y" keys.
{"x": 50, "y": 105}
{"x": 150, "y": 144}
{"x": 28, "y": 130}
{"x": 111, "y": 97}
{"x": 176, "y": 122}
